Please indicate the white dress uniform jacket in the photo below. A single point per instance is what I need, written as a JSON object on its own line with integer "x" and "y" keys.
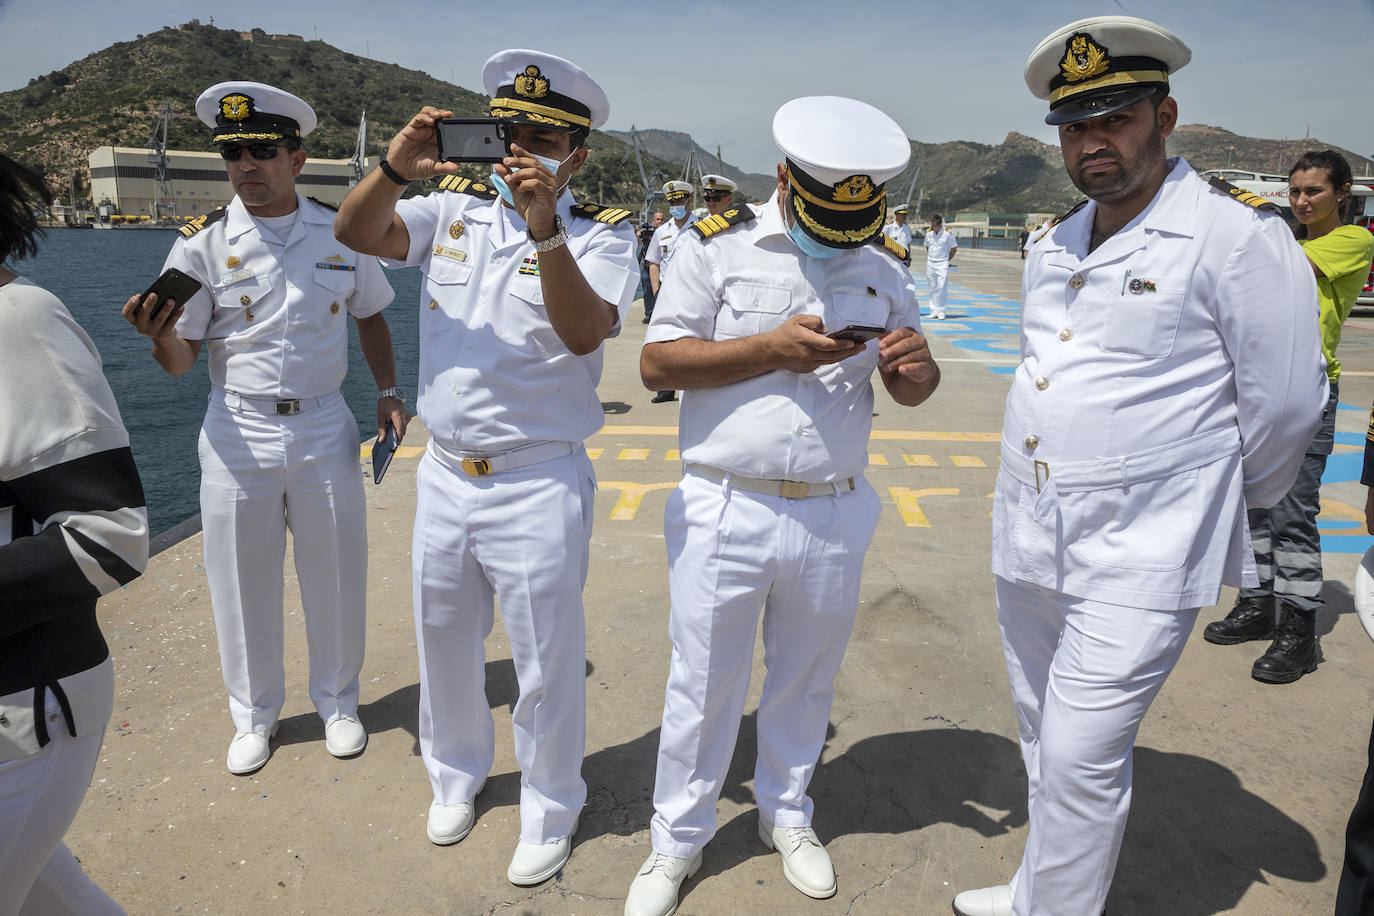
{"x": 810, "y": 427}
{"x": 660, "y": 250}
{"x": 1168, "y": 379}
{"x": 938, "y": 246}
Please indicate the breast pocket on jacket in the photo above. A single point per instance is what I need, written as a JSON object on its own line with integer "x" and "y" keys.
{"x": 858, "y": 309}
{"x": 238, "y": 304}
{"x": 445, "y": 288}
{"x": 751, "y": 307}
{"x": 1147, "y": 526}
{"x": 1144, "y": 318}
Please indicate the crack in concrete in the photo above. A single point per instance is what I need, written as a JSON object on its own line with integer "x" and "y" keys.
{"x": 883, "y": 883}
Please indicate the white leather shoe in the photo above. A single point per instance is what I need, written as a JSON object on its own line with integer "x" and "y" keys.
{"x": 535, "y": 863}
{"x": 805, "y": 862}
{"x": 448, "y": 824}
{"x": 653, "y": 892}
{"x": 249, "y": 751}
{"x": 985, "y": 901}
{"x": 345, "y": 737}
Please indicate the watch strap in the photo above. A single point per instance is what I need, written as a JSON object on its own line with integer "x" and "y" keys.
{"x": 392, "y": 174}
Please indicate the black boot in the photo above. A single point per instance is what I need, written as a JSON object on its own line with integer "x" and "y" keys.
{"x": 1250, "y": 618}
{"x": 1294, "y": 650}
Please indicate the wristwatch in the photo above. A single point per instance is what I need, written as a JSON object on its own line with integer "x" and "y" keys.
{"x": 392, "y": 392}
{"x": 559, "y": 237}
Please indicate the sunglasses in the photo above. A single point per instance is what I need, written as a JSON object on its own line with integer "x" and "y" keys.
{"x": 716, "y": 195}
{"x": 259, "y": 151}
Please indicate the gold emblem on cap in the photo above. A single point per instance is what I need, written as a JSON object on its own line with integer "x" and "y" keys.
{"x": 456, "y": 229}
{"x": 1083, "y": 59}
{"x": 236, "y": 107}
{"x": 854, "y": 189}
{"x": 530, "y": 84}
{"x": 232, "y": 261}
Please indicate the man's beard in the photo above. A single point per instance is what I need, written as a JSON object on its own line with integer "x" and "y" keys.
{"x": 1124, "y": 182}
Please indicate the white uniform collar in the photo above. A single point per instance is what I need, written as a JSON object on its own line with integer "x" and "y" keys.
{"x": 1172, "y": 210}
{"x": 770, "y": 220}
{"x": 238, "y": 220}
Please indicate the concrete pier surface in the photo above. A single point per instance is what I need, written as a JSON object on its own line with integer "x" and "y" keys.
{"x": 1241, "y": 789}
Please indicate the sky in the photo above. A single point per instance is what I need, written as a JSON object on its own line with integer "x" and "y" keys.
{"x": 718, "y": 70}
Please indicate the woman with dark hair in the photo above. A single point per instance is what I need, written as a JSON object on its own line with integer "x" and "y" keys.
{"x": 73, "y": 526}
{"x": 1287, "y": 546}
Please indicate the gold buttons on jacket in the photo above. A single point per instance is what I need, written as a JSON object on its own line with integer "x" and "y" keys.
{"x": 433, "y": 304}
{"x": 333, "y": 308}
{"x": 1032, "y": 441}
{"x": 1076, "y": 281}
{"x": 245, "y": 299}
{"x": 1042, "y": 383}
{"x": 1066, "y": 334}
{"x": 248, "y": 313}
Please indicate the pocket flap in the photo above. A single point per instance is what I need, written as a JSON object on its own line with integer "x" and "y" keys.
{"x": 758, "y": 297}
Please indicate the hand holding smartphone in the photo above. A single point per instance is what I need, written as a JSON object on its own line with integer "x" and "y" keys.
{"x": 859, "y": 333}
{"x": 472, "y": 139}
{"x": 382, "y": 452}
{"x": 173, "y": 285}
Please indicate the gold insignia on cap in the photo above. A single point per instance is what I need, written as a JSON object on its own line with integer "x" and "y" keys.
{"x": 456, "y": 229}
{"x": 530, "y": 84}
{"x": 232, "y": 262}
{"x": 236, "y": 107}
{"x": 1083, "y": 59}
{"x": 854, "y": 189}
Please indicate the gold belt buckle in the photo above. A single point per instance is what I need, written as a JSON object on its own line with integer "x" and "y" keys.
{"x": 1038, "y": 466}
{"x": 793, "y": 489}
{"x": 288, "y": 408}
{"x": 476, "y": 467}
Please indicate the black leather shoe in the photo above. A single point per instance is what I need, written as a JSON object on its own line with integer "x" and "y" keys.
{"x": 1294, "y": 650}
{"x": 663, "y": 396}
{"x": 1250, "y": 618}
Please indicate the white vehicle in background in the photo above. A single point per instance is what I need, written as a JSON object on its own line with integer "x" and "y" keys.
{"x": 1275, "y": 188}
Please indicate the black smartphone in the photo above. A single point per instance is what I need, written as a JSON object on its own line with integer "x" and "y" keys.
{"x": 472, "y": 139}
{"x": 859, "y": 333}
{"x": 382, "y": 453}
{"x": 174, "y": 285}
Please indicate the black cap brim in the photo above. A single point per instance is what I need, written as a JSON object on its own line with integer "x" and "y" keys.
{"x": 1097, "y": 104}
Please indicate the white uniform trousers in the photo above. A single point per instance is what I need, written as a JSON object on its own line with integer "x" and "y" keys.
{"x": 1083, "y": 674}
{"x": 521, "y": 536}
{"x": 937, "y": 278}
{"x": 39, "y": 798}
{"x": 260, "y": 475}
{"x": 732, "y": 553}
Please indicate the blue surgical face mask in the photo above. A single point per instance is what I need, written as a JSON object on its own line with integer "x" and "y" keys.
{"x": 808, "y": 245}
{"x": 553, "y": 165}
{"x": 677, "y": 212}
{"x": 501, "y": 187}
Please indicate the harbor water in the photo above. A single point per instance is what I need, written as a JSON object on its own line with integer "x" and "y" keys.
{"x": 94, "y": 273}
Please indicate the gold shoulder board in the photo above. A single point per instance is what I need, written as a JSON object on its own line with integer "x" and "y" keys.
{"x": 461, "y": 185}
{"x": 1070, "y": 212}
{"x": 200, "y": 222}
{"x": 894, "y": 248}
{"x": 609, "y": 215}
{"x": 1244, "y": 196}
{"x": 735, "y": 216}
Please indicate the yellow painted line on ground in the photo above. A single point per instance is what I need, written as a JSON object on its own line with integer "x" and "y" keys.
{"x": 877, "y": 459}
{"x": 594, "y": 453}
{"x": 632, "y": 454}
{"x": 967, "y": 461}
{"x": 909, "y": 503}
{"x": 920, "y": 461}
{"x": 671, "y": 455}
{"x": 631, "y": 495}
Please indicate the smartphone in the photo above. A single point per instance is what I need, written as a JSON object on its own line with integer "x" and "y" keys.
{"x": 859, "y": 333}
{"x": 382, "y": 453}
{"x": 174, "y": 285}
{"x": 472, "y": 139}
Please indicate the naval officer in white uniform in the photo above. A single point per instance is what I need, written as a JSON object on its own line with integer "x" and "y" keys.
{"x": 773, "y": 514}
{"x": 940, "y": 248}
{"x": 279, "y": 447}
{"x": 522, "y": 285}
{"x": 898, "y": 230}
{"x": 1171, "y": 375}
{"x": 680, "y": 196}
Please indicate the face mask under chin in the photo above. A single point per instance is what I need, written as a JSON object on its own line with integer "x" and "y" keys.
{"x": 553, "y": 165}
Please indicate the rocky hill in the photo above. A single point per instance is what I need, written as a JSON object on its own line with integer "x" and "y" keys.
{"x": 113, "y": 97}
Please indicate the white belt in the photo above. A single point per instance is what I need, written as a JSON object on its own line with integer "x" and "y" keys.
{"x": 1123, "y": 471}
{"x": 476, "y": 464}
{"x": 283, "y": 407}
{"x": 788, "y": 489}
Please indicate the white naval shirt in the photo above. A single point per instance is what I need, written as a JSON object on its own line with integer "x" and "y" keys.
{"x": 938, "y": 246}
{"x": 660, "y": 250}
{"x": 274, "y": 319}
{"x": 494, "y": 374}
{"x": 749, "y": 279}
{"x": 1195, "y": 323}
{"x": 899, "y": 234}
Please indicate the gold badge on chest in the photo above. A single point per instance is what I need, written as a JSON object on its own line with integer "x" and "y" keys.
{"x": 456, "y": 229}
{"x": 231, "y": 262}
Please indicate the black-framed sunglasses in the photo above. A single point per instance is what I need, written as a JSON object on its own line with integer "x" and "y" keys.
{"x": 716, "y": 195}
{"x": 259, "y": 151}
